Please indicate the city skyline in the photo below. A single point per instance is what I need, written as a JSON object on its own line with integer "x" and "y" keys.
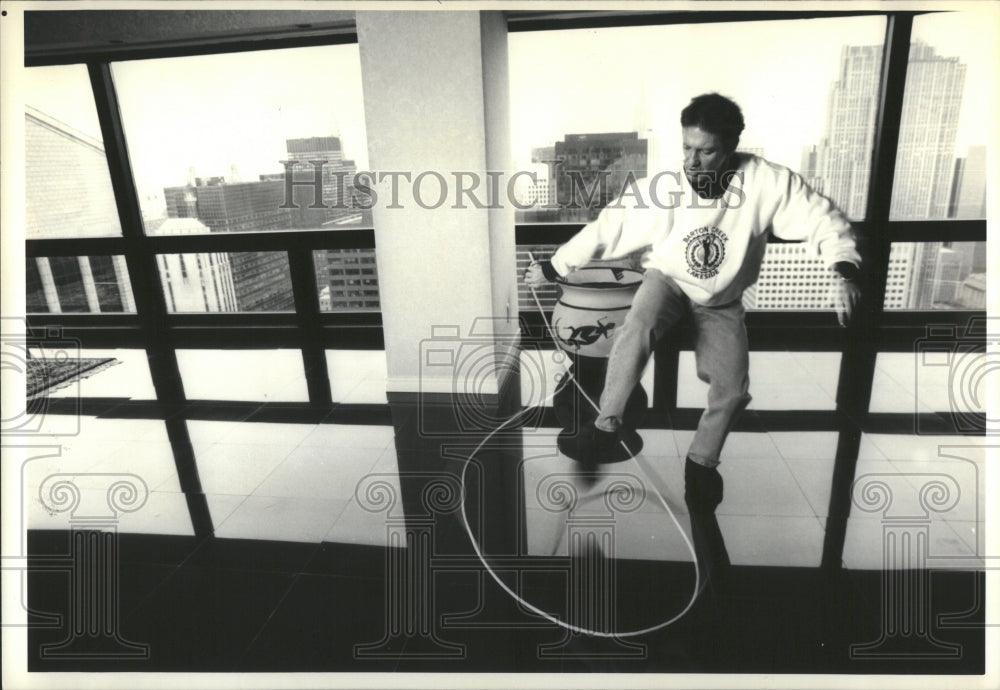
{"x": 948, "y": 182}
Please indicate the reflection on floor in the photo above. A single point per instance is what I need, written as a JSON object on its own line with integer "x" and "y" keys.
{"x": 298, "y": 565}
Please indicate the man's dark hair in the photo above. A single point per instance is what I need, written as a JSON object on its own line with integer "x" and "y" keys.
{"x": 716, "y": 115}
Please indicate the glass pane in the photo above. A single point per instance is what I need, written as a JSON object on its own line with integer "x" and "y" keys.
{"x": 936, "y": 275}
{"x": 67, "y": 184}
{"x": 814, "y": 113}
{"x": 88, "y": 284}
{"x": 220, "y": 281}
{"x": 216, "y": 152}
{"x": 347, "y": 280}
{"x": 790, "y": 278}
{"x": 941, "y": 162}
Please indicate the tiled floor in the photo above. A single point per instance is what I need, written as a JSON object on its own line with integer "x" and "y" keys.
{"x": 292, "y": 565}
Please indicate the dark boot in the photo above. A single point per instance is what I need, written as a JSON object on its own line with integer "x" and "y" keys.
{"x": 702, "y": 487}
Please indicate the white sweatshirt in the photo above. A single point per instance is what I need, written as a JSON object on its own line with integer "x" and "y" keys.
{"x": 713, "y": 248}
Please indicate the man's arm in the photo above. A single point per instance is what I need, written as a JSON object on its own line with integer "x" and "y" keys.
{"x": 605, "y": 236}
{"x": 807, "y": 216}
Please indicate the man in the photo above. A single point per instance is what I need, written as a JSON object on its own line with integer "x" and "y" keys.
{"x": 705, "y": 232}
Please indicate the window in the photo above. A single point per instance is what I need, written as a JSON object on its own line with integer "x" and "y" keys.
{"x": 211, "y": 154}
{"x": 88, "y": 284}
{"x": 226, "y": 282}
{"x": 941, "y": 161}
{"x": 936, "y": 275}
{"x": 67, "y": 184}
{"x": 818, "y": 118}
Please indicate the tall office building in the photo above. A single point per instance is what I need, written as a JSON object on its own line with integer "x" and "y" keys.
{"x": 598, "y": 165}
{"x": 261, "y": 279}
{"x": 925, "y": 158}
{"x": 969, "y": 190}
{"x": 337, "y": 175}
{"x": 349, "y": 281}
{"x": 844, "y": 155}
{"x": 921, "y": 275}
{"x": 68, "y": 194}
{"x": 194, "y": 282}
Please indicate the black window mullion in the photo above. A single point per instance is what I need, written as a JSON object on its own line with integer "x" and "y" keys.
{"x": 143, "y": 271}
{"x": 303, "y": 270}
{"x": 857, "y": 368}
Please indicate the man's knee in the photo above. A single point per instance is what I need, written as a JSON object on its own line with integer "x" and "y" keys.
{"x": 730, "y": 392}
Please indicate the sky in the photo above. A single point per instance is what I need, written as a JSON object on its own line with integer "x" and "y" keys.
{"x": 780, "y": 72}
{"x": 212, "y": 112}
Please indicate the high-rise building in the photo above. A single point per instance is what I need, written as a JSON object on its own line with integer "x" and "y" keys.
{"x": 969, "y": 197}
{"x": 196, "y": 282}
{"x": 972, "y": 292}
{"x": 921, "y": 275}
{"x": 349, "y": 281}
{"x": 261, "y": 279}
{"x": 337, "y": 176}
{"x": 925, "y": 159}
{"x": 68, "y": 194}
{"x": 597, "y": 165}
{"x": 790, "y": 278}
{"x": 843, "y": 157}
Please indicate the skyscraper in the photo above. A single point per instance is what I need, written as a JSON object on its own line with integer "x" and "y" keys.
{"x": 921, "y": 275}
{"x": 261, "y": 279}
{"x": 970, "y": 186}
{"x": 197, "y": 282}
{"x": 338, "y": 189}
{"x": 844, "y": 154}
{"x": 925, "y": 158}
{"x": 599, "y": 164}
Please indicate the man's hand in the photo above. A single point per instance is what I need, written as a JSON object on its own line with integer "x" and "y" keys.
{"x": 534, "y": 276}
{"x": 845, "y": 294}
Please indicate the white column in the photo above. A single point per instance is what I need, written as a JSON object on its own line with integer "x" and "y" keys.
{"x": 89, "y": 289}
{"x": 48, "y": 285}
{"x": 124, "y": 284}
{"x": 436, "y": 102}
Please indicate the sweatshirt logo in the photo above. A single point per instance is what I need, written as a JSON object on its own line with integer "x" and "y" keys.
{"x": 705, "y": 251}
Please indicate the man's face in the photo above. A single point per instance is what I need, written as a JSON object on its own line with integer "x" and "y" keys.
{"x": 705, "y": 156}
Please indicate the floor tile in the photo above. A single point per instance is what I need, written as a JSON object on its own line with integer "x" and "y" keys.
{"x": 268, "y": 433}
{"x": 640, "y": 536}
{"x": 252, "y": 554}
{"x": 761, "y": 486}
{"x": 76, "y": 456}
{"x": 203, "y": 619}
{"x": 334, "y": 614}
{"x": 805, "y": 445}
{"x": 128, "y": 378}
{"x": 815, "y": 479}
{"x": 281, "y": 519}
{"x": 204, "y": 433}
{"x": 238, "y": 468}
{"x": 152, "y": 461}
{"x": 222, "y": 375}
{"x": 323, "y": 472}
{"x": 958, "y": 488}
{"x": 349, "y": 436}
{"x": 923, "y": 448}
{"x": 864, "y": 547}
{"x": 358, "y": 525}
{"x": 160, "y": 513}
{"x": 773, "y": 541}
